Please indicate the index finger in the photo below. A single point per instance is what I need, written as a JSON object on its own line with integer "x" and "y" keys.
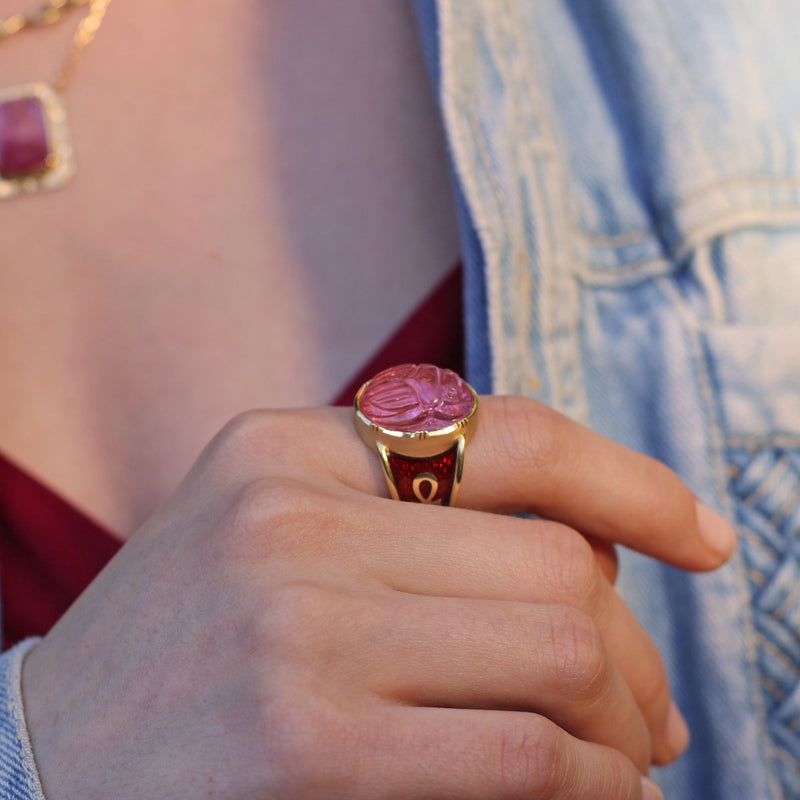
{"x": 526, "y": 457}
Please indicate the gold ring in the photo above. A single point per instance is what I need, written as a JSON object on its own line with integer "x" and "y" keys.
{"x": 419, "y": 418}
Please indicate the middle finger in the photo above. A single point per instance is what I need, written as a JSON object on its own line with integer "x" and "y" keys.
{"x": 499, "y": 655}
{"x": 463, "y": 553}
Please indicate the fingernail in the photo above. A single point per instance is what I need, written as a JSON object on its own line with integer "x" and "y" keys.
{"x": 717, "y": 532}
{"x": 650, "y": 790}
{"x": 677, "y": 731}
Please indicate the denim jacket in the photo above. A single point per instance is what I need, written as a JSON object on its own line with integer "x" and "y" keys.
{"x": 629, "y": 203}
{"x": 630, "y": 196}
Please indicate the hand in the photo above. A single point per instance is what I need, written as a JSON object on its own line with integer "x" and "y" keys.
{"x": 280, "y": 629}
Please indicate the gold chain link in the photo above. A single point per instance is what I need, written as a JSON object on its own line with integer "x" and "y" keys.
{"x": 82, "y": 39}
{"x": 51, "y": 13}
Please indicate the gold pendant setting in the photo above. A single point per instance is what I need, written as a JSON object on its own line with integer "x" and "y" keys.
{"x": 35, "y": 149}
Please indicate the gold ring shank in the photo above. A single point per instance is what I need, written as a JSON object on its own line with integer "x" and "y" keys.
{"x": 412, "y": 453}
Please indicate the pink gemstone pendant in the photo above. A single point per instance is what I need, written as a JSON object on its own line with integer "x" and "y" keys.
{"x": 35, "y": 151}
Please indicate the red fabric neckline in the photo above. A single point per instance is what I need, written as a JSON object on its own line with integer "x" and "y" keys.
{"x": 51, "y": 551}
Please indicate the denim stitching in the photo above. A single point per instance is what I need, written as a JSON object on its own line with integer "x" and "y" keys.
{"x": 451, "y": 102}
{"x": 789, "y": 506}
{"x": 642, "y": 234}
{"x": 777, "y": 693}
{"x": 779, "y": 655}
{"x": 754, "y": 443}
{"x": 627, "y": 275}
{"x": 788, "y": 604}
{"x": 779, "y": 471}
{"x": 761, "y": 501}
{"x": 708, "y": 278}
{"x": 757, "y": 542}
{"x": 695, "y": 237}
{"x": 559, "y": 307}
{"x": 719, "y": 471}
{"x": 520, "y": 310}
{"x": 783, "y": 181}
{"x": 786, "y": 757}
{"x": 716, "y": 226}
{"x": 756, "y": 577}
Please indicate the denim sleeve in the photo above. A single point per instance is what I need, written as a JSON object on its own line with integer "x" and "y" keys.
{"x": 19, "y": 778}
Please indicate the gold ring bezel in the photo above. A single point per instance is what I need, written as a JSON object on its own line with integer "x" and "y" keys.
{"x": 416, "y": 444}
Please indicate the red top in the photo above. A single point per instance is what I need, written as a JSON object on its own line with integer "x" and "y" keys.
{"x": 50, "y": 551}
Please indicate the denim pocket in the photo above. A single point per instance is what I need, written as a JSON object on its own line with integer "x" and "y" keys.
{"x": 755, "y": 373}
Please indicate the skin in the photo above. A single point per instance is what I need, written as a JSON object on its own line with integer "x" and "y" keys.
{"x": 247, "y": 202}
{"x": 275, "y": 626}
{"x": 281, "y": 629}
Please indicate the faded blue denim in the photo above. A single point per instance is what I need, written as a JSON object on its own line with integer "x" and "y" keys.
{"x": 628, "y": 177}
{"x": 19, "y": 779}
{"x": 628, "y": 183}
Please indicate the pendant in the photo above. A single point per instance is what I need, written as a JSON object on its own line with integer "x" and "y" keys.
{"x": 35, "y": 150}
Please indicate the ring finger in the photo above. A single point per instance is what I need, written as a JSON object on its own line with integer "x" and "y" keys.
{"x": 499, "y": 655}
{"x": 476, "y": 555}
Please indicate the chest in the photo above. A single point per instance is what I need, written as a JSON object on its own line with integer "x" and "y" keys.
{"x": 262, "y": 197}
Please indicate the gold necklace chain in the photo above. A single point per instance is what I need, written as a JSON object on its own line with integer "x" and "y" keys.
{"x": 83, "y": 38}
{"x": 49, "y": 14}
{"x": 35, "y": 146}
{"x": 52, "y": 13}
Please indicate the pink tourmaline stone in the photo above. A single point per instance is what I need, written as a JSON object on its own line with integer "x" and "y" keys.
{"x": 23, "y": 138}
{"x": 416, "y": 397}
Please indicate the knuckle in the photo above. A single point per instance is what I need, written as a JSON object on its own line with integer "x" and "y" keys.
{"x": 530, "y": 759}
{"x": 529, "y": 432}
{"x": 294, "y": 624}
{"x": 259, "y": 438}
{"x": 297, "y": 607}
{"x": 571, "y": 564}
{"x": 537, "y": 759}
{"x": 579, "y": 657}
{"x": 261, "y": 509}
{"x": 298, "y": 731}
{"x": 247, "y": 429}
{"x": 245, "y": 425}
{"x": 269, "y": 502}
{"x": 275, "y": 525}
{"x": 276, "y": 515}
